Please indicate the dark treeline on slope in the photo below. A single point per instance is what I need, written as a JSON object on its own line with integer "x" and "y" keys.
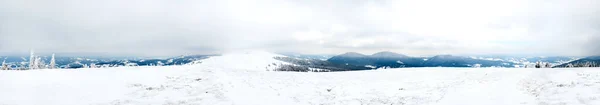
{"x": 321, "y": 65}
{"x": 593, "y": 61}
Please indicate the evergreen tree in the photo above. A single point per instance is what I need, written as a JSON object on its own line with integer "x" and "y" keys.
{"x": 52, "y": 62}
{"x": 31, "y": 60}
{"x": 548, "y": 65}
{"x": 4, "y": 66}
{"x": 570, "y": 65}
{"x": 39, "y": 64}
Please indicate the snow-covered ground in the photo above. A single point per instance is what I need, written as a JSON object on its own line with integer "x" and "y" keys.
{"x": 243, "y": 79}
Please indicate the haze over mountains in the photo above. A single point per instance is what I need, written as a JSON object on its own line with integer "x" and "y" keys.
{"x": 387, "y": 59}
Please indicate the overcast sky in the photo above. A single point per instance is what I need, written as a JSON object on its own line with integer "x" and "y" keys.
{"x": 412, "y": 27}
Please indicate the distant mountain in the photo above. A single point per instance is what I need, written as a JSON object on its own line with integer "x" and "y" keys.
{"x": 377, "y": 60}
{"x": 79, "y": 62}
{"x": 351, "y": 58}
{"x": 352, "y": 55}
{"x": 525, "y": 60}
{"x": 308, "y": 56}
{"x": 593, "y": 61}
{"x": 387, "y": 54}
{"x": 555, "y": 59}
{"x": 460, "y": 61}
{"x": 395, "y": 60}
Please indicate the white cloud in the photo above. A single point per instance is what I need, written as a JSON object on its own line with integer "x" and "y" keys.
{"x": 414, "y": 27}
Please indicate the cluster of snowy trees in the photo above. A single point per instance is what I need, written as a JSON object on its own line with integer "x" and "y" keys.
{"x": 295, "y": 68}
{"x": 35, "y": 62}
{"x": 582, "y": 64}
{"x": 539, "y": 65}
{"x": 543, "y": 65}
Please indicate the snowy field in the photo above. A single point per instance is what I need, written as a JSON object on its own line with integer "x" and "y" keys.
{"x": 243, "y": 79}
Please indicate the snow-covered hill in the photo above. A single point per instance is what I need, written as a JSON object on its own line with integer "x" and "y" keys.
{"x": 250, "y": 60}
{"x": 242, "y": 79}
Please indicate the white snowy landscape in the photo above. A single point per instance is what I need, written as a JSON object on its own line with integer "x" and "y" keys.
{"x": 247, "y": 79}
{"x": 299, "y": 52}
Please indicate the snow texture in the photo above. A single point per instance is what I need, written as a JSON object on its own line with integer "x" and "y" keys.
{"x": 244, "y": 79}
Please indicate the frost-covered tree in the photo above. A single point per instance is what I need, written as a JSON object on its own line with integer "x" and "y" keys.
{"x": 4, "y": 65}
{"x": 570, "y": 65}
{"x": 538, "y": 65}
{"x": 548, "y": 65}
{"x": 92, "y": 65}
{"x": 31, "y": 60}
{"x": 477, "y": 66}
{"x": 85, "y": 66}
{"x": 39, "y": 64}
{"x": 588, "y": 64}
{"x": 52, "y": 62}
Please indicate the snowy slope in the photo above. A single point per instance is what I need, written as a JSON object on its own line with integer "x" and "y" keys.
{"x": 241, "y": 79}
{"x": 249, "y": 60}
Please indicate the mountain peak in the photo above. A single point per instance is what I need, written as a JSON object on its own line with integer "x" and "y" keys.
{"x": 353, "y": 54}
{"x": 388, "y": 54}
{"x": 443, "y": 56}
{"x": 593, "y": 57}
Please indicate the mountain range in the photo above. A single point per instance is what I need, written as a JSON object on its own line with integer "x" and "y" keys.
{"x": 342, "y": 62}
{"x": 387, "y": 59}
{"x": 394, "y": 60}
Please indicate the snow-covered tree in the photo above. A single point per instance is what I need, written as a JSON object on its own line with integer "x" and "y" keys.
{"x": 548, "y": 65}
{"x": 159, "y": 63}
{"x": 4, "y": 65}
{"x": 39, "y": 64}
{"x": 477, "y": 66}
{"x": 31, "y": 60}
{"x": 92, "y": 65}
{"x": 52, "y": 62}
{"x": 84, "y": 66}
{"x": 570, "y": 65}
